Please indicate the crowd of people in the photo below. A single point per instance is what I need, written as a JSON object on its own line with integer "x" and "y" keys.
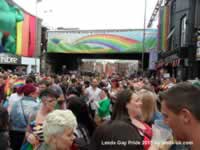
{"x": 73, "y": 112}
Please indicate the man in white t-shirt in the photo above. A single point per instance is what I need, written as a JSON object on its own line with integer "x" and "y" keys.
{"x": 93, "y": 93}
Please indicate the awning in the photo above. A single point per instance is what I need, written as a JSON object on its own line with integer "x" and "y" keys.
{"x": 171, "y": 33}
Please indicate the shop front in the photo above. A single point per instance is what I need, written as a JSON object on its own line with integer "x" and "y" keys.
{"x": 18, "y": 64}
{"x": 9, "y": 62}
{"x": 20, "y": 39}
{"x": 170, "y": 64}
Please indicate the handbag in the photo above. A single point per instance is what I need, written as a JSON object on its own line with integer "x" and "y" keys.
{"x": 26, "y": 145}
{"x": 23, "y": 112}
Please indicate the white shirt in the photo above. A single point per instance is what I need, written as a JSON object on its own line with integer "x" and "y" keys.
{"x": 93, "y": 94}
{"x": 12, "y": 99}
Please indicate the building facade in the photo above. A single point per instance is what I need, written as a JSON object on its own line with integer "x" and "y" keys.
{"x": 179, "y": 22}
{"x": 20, "y": 38}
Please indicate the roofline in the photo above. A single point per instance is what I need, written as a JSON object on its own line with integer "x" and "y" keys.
{"x": 98, "y": 30}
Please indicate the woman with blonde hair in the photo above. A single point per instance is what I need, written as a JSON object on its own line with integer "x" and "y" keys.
{"x": 150, "y": 112}
{"x": 128, "y": 109}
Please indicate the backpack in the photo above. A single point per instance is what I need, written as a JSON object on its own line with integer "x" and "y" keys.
{"x": 82, "y": 138}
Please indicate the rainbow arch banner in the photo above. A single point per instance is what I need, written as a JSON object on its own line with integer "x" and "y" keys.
{"x": 116, "y": 42}
{"x": 101, "y": 41}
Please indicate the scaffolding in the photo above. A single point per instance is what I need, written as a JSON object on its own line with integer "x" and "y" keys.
{"x": 155, "y": 12}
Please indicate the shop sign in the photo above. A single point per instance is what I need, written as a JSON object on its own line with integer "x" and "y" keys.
{"x": 9, "y": 59}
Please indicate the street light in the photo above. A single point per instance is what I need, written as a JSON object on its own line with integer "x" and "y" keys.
{"x": 144, "y": 33}
{"x": 36, "y": 14}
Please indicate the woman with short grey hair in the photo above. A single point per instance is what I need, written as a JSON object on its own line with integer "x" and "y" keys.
{"x": 58, "y": 129}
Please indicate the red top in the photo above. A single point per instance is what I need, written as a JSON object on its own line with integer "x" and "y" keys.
{"x": 74, "y": 147}
{"x": 147, "y": 134}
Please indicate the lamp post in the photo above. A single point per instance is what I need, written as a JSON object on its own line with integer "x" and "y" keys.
{"x": 144, "y": 34}
{"x": 36, "y": 15}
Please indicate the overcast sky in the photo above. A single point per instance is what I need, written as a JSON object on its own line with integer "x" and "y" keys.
{"x": 91, "y": 14}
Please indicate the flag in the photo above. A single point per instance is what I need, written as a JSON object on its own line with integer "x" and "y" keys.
{"x": 7, "y": 88}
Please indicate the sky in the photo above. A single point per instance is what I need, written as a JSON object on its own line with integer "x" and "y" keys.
{"x": 91, "y": 14}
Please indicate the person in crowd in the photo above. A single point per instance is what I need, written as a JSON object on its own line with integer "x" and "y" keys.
{"x": 148, "y": 87}
{"x": 80, "y": 88}
{"x": 86, "y": 125}
{"x": 180, "y": 108}
{"x": 123, "y": 84}
{"x": 115, "y": 88}
{"x": 150, "y": 112}
{"x": 116, "y": 135}
{"x": 34, "y": 134}
{"x": 74, "y": 81}
{"x": 72, "y": 92}
{"x": 2, "y": 86}
{"x": 103, "y": 112}
{"x": 30, "y": 80}
{"x": 43, "y": 85}
{"x": 128, "y": 108}
{"x": 58, "y": 129}
{"x": 138, "y": 83}
{"x": 156, "y": 84}
{"x": 93, "y": 94}
{"x": 4, "y": 129}
{"x": 20, "y": 113}
{"x": 64, "y": 86}
{"x": 56, "y": 86}
{"x": 86, "y": 84}
{"x": 16, "y": 95}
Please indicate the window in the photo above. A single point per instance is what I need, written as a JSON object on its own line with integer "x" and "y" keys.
{"x": 183, "y": 31}
{"x": 172, "y": 13}
{"x": 197, "y": 14}
{"x": 171, "y": 38}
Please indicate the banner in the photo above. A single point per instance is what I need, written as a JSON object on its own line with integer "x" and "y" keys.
{"x": 153, "y": 58}
{"x": 101, "y": 41}
{"x": 20, "y": 32}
